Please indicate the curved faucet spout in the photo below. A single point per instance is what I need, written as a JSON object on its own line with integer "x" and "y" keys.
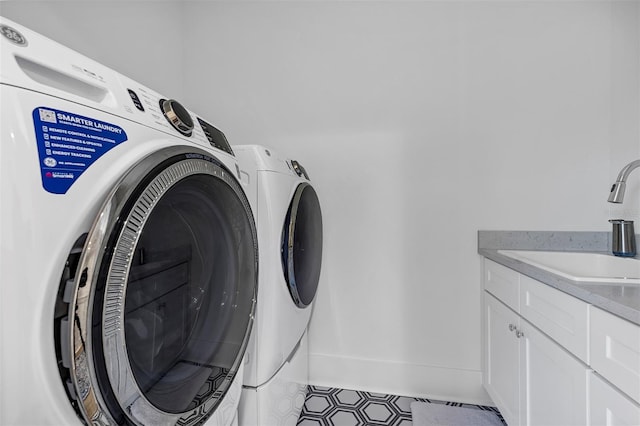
{"x": 618, "y": 188}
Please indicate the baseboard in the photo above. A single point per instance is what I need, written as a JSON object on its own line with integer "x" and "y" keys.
{"x": 413, "y": 380}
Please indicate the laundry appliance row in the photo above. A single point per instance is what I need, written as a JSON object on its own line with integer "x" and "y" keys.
{"x": 131, "y": 268}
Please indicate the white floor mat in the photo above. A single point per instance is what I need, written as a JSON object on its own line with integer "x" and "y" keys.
{"x": 426, "y": 414}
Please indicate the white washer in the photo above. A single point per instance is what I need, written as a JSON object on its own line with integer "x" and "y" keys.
{"x": 289, "y": 223}
{"x": 128, "y": 250}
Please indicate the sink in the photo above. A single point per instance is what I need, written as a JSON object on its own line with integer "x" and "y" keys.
{"x": 597, "y": 268}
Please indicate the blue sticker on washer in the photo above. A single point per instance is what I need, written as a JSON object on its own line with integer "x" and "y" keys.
{"x": 68, "y": 144}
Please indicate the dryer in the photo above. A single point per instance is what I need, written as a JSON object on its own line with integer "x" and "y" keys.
{"x": 128, "y": 249}
{"x": 289, "y": 224}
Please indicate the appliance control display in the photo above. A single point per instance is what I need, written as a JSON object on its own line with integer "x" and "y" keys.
{"x": 136, "y": 100}
{"x": 177, "y": 115}
{"x": 216, "y": 138}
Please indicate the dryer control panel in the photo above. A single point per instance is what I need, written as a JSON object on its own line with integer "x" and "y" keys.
{"x": 34, "y": 62}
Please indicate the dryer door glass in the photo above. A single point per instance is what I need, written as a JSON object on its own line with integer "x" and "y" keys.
{"x": 302, "y": 245}
{"x": 173, "y": 294}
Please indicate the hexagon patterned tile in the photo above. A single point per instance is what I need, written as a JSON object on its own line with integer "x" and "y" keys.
{"x": 343, "y": 407}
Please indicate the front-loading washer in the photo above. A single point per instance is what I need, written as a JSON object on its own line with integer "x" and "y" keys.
{"x": 289, "y": 224}
{"x": 128, "y": 249}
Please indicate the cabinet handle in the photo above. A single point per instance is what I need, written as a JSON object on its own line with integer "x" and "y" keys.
{"x": 512, "y": 327}
{"x": 519, "y": 334}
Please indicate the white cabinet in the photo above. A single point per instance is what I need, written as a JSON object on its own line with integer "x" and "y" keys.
{"x": 530, "y": 377}
{"x": 502, "y": 358}
{"x": 615, "y": 351}
{"x": 552, "y": 359}
{"x": 608, "y": 406}
{"x": 503, "y": 283}
{"x": 553, "y": 387}
{"x": 562, "y": 317}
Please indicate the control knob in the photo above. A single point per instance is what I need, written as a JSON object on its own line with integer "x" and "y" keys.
{"x": 177, "y": 115}
{"x": 300, "y": 171}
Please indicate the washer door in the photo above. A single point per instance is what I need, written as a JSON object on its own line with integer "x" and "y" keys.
{"x": 164, "y": 296}
{"x": 302, "y": 245}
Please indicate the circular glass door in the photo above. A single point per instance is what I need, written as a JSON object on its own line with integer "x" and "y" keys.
{"x": 302, "y": 245}
{"x": 166, "y": 289}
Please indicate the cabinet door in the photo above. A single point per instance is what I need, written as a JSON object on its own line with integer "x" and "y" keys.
{"x": 608, "y": 406}
{"x": 615, "y": 351}
{"x": 554, "y": 390}
{"x": 501, "y": 372}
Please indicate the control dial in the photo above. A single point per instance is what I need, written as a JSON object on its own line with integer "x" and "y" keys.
{"x": 300, "y": 171}
{"x": 177, "y": 115}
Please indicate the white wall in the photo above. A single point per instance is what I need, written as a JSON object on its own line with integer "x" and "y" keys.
{"x": 142, "y": 40}
{"x": 419, "y": 122}
{"x": 625, "y": 107}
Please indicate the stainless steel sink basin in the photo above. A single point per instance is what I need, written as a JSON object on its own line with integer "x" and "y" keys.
{"x": 582, "y": 266}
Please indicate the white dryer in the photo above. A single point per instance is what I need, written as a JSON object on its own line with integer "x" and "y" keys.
{"x": 289, "y": 224}
{"x": 128, "y": 249}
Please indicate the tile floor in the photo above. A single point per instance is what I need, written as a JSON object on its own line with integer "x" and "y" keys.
{"x": 343, "y": 407}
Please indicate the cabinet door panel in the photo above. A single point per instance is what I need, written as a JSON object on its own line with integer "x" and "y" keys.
{"x": 554, "y": 390}
{"x": 615, "y": 351}
{"x": 562, "y": 317}
{"x": 608, "y": 406}
{"x": 503, "y": 283}
{"x": 501, "y": 377}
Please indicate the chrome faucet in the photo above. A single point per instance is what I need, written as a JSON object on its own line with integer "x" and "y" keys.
{"x": 617, "y": 189}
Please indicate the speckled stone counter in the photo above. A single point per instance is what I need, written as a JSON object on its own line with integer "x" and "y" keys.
{"x": 620, "y": 300}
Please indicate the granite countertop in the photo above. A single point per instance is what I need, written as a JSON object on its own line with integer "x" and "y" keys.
{"x": 620, "y": 300}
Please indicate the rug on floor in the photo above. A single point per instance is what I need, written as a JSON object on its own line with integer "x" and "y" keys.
{"x": 343, "y": 407}
{"x": 426, "y": 414}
